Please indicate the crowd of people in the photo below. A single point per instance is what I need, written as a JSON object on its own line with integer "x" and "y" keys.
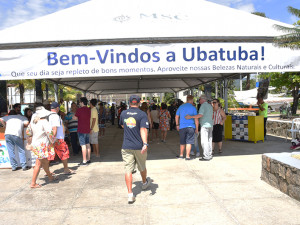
{"x": 48, "y": 125}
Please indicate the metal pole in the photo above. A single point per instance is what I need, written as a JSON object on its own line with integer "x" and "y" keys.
{"x": 55, "y": 92}
{"x": 38, "y": 91}
{"x": 225, "y": 95}
{"x": 216, "y": 89}
{"x": 241, "y": 82}
{"x": 3, "y": 98}
{"x": 61, "y": 93}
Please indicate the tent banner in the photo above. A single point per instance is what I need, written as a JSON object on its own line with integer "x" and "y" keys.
{"x": 146, "y": 59}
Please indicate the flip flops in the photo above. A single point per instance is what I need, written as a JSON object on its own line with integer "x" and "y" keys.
{"x": 36, "y": 186}
{"x": 54, "y": 179}
{"x": 69, "y": 173}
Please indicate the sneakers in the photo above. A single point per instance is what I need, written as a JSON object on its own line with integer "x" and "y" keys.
{"x": 192, "y": 153}
{"x": 295, "y": 147}
{"x": 198, "y": 154}
{"x": 131, "y": 199}
{"x": 25, "y": 168}
{"x": 203, "y": 159}
{"x": 88, "y": 162}
{"x": 148, "y": 182}
{"x": 83, "y": 164}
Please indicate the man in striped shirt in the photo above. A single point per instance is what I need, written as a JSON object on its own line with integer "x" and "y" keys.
{"x": 72, "y": 125}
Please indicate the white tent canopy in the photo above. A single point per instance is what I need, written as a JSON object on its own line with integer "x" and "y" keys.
{"x": 140, "y": 19}
{"x": 134, "y": 23}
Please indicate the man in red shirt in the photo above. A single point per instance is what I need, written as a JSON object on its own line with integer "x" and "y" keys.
{"x": 83, "y": 114}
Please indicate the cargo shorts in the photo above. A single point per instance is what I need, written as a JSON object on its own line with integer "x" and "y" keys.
{"x": 131, "y": 158}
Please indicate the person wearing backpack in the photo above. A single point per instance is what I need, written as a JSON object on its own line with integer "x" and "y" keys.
{"x": 40, "y": 141}
{"x": 60, "y": 146}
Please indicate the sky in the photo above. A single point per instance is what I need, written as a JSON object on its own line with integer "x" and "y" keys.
{"x": 13, "y": 12}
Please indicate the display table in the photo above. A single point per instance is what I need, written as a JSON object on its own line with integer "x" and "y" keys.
{"x": 4, "y": 157}
{"x": 244, "y": 128}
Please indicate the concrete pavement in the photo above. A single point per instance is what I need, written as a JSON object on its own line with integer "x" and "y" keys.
{"x": 225, "y": 190}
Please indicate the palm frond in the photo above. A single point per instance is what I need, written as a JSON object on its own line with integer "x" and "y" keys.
{"x": 286, "y": 29}
{"x": 294, "y": 11}
{"x": 292, "y": 37}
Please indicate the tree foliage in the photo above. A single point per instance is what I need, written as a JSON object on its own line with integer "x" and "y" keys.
{"x": 289, "y": 80}
{"x": 262, "y": 14}
{"x": 169, "y": 97}
{"x": 292, "y": 37}
{"x": 22, "y": 86}
{"x": 69, "y": 94}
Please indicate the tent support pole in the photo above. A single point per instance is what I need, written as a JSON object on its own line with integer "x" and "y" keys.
{"x": 226, "y": 95}
{"x": 3, "y": 97}
{"x": 241, "y": 82}
{"x": 38, "y": 91}
{"x": 47, "y": 91}
{"x": 56, "y": 92}
{"x": 61, "y": 93}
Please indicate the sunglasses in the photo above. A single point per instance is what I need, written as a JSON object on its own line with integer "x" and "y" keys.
{"x": 214, "y": 102}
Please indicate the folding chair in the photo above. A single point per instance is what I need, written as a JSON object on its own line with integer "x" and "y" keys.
{"x": 294, "y": 129}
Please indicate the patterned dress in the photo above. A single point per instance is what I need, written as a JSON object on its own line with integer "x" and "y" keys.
{"x": 42, "y": 138}
{"x": 164, "y": 120}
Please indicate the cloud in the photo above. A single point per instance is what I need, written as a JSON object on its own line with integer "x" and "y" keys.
{"x": 248, "y": 8}
{"x": 230, "y": 3}
{"x": 19, "y": 11}
{"x": 245, "y": 5}
{"x": 293, "y": 19}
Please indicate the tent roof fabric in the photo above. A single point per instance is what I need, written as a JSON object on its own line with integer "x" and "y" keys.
{"x": 141, "y": 84}
{"x": 126, "y": 21}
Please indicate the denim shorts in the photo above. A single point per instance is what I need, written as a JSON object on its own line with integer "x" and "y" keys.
{"x": 187, "y": 135}
{"x": 84, "y": 139}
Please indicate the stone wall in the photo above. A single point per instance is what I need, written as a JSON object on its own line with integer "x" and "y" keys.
{"x": 279, "y": 128}
{"x": 282, "y": 176}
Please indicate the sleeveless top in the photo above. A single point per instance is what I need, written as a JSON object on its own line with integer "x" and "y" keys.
{"x": 217, "y": 118}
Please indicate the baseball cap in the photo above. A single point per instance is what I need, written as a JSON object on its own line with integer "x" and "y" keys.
{"x": 54, "y": 105}
{"x": 134, "y": 99}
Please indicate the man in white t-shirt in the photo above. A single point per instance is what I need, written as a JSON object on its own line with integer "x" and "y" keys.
{"x": 60, "y": 146}
{"x": 14, "y": 125}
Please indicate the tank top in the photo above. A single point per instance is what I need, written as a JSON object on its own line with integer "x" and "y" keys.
{"x": 217, "y": 118}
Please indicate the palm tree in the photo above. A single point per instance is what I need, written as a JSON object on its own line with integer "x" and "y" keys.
{"x": 292, "y": 37}
{"x": 262, "y": 14}
{"x": 22, "y": 85}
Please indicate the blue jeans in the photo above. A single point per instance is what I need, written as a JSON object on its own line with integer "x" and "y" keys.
{"x": 74, "y": 140}
{"x": 195, "y": 145}
{"x": 13, "y": 141}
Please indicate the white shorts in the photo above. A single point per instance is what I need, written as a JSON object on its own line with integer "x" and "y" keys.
{"x": 94, "y": 138}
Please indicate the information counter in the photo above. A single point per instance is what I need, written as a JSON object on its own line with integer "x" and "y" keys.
{"x": 4, "y": 157}
{"x": 244, "y": 128}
